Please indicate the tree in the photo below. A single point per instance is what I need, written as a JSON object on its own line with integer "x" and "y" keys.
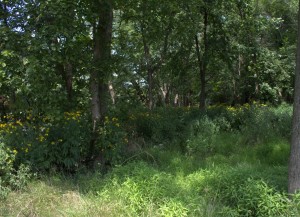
{"x": 294, "y": 163}
{"x": 102, "y": 36}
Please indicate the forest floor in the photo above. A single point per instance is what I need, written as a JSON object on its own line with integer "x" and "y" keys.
{"x": 159, "y": 181}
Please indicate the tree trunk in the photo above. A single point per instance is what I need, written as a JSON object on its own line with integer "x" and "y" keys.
{"x": 176, "y": 100}
{"x": 150, "y": 89}
{"x": 165, "y": 92}
{"x": 294, "y": 164}
{"x": 112, "y": 92}
{"x": 69, "y": 81}
{"x": 150, "y": 70}
{"x": 202, "y": 62}
{"x": 102, "y": 31}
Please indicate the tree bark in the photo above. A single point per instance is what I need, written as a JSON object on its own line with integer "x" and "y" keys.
{"x": 294, "y": 163}
{"x": 150, "y": 89}
{"x": 69, "y": 81}
{"x": 202, "y": 62}
{"x": 112, "y": 92}
{"x": 165, "y": 92}
{"x": 102, "y": 31}
{"x": 150, "y": 69}
{"x": 65, "y": 70}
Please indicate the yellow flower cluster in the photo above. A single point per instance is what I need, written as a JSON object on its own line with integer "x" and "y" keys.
{"x": 234, "y": 109}
{"x": 9, "y": 127}
{"x": 44, "y": 133}
{"x": 73, "y": 115}
{"x": 114, "y": 121}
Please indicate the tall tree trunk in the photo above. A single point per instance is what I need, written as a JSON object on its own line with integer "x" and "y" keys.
{"x": 150, "y": 69}
{"x": 69, "y": 81}
{"x": 66, "y": 72}
{"x": 150, "y": 89}
{"x": 294, "y": 164}
{"x": 112, "y": 92}
{"x": 203, "y": 61}
{"x": 102, "y": 31}
{"x": 176, "y": 100}
{"x": 165, "y": 92}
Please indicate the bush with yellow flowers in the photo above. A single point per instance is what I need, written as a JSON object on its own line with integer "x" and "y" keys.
{"x": 112, "y": 139}
{"x": 48, "y": 142}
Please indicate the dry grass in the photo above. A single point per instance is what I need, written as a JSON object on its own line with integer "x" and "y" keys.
{"x": 44, "y": 199}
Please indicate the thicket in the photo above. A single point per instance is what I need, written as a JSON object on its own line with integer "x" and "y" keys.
{"x": 62, "y": 142}
{"x": 141, "y": 142}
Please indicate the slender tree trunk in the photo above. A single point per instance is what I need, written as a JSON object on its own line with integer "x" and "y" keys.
{"x": 150, "y": 70}
{"x": 112, "y": 92}
{"x": 294, "y": 164}
{"x": 69, "y": 81}
{"x": 66, "y": 72}
{"x": 236, "y": 75}
{"x": 150, "y": 89}
{"x": 202, "y": 61}
{"x": 165, "y": 92}
{"x": 176, "y": 100}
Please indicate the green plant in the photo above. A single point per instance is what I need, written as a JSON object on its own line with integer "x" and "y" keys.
{"x": 11, "y": 178}
{"x": 273, "y": 153}
{"x": 261, "y": 123}
{"x": 255, "y": 198}
{"x": 203, "y": 136}
{"x": 112, "y": 139}
{"x": 49, "y": 142}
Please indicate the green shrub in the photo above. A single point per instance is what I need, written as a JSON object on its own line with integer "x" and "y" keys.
{"x": 255, "y": 198}
{"x": 261, "y": 124}
{"x": 147, "y": 191}
{"x": 283, "y": 120}
{"x": 167, "y": 126}
{"x": 273, "y": 153}
{"x": 203, "y": 136}
{"x": 251, "y": 191}
{"x": 172, "y": 208}
{"x": 6, "y": 168}
{"x": 46, "y": 143}
{"x": 112, "y": 140}
{"x": 11, "y": 178}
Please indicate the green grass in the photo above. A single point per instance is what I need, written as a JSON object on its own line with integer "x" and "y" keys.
{"x": 234, "y": 180}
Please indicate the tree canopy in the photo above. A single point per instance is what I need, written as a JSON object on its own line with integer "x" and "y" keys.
{"x": 93, "y": 57}
{"x": 160, "y": 52}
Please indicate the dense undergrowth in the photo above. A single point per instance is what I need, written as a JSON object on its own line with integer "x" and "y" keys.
{"x": 226, "y": 161}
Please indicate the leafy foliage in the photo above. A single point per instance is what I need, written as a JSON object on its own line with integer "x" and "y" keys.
{"x": 46, "y": 143}
{"x": 11, "y": 178}
{"x": 76, "y": 77}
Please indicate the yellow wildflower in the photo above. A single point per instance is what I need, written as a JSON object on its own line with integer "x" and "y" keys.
{"x": 41, "y": 138}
